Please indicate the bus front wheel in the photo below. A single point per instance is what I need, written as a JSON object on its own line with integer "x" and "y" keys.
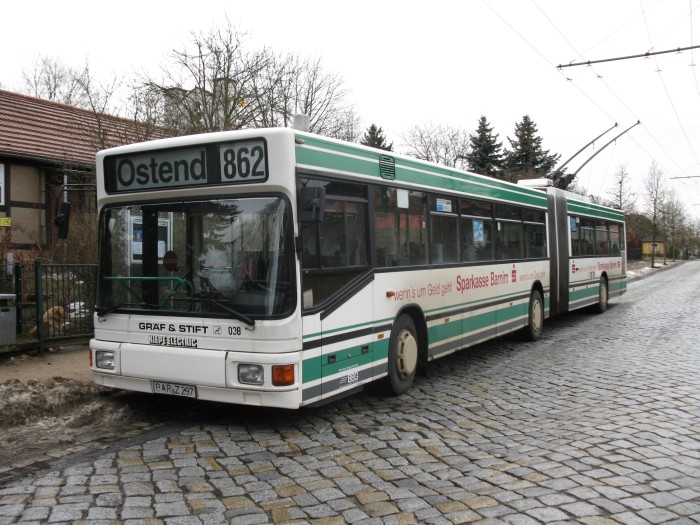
{"x": 535, "y": 317}
{"x": 602, "y": 296}
{"x": 403, "y": 355}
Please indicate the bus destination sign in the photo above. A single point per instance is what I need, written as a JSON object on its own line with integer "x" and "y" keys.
{"x": 209, "y": 164}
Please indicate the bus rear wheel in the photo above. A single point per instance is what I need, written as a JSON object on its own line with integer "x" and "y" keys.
{"x": 403, "y": 355}
{"x": 535, "y": 317}
{"x": 602, "y": 305}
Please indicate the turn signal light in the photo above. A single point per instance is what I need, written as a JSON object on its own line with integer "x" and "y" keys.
{"x": 283, "y": 375}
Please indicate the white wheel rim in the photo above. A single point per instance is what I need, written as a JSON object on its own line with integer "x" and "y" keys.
{"x": 406, "y": 354}
{"x": 603, "y": 294}
{"x": 536, "y": 316}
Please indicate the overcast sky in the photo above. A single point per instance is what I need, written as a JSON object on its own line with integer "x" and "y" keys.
{"x": 442, "y": 62}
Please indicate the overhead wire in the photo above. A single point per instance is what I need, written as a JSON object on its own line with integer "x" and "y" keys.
{"x": 613, "y": 33}
{"x": 692, "y": 53}
{"x": 598, "y": 77}
{"x": 545, "y": 58}
{"x": 695, "y": 78}
{"x": 668, "y": 94}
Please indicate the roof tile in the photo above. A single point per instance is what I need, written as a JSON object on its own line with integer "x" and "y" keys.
{"x": 57, "y": 133}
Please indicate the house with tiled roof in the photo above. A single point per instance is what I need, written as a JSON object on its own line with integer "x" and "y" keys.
{"x": 45, "y": 149}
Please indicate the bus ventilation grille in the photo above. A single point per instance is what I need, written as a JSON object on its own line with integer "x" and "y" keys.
{"x": 387, "y": 167}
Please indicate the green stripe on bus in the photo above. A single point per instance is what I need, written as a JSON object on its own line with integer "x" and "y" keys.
{"x": 583, "y": 294}
{"x": 338, "y": 157}
{"x": 331, "y": 161}
{"x": 444, "y": 331}
{"x": 313, "y": 368}
{"x": 618, "y": 286}
{"x": 594, "y": 210}
{"x": 512, "y": 312}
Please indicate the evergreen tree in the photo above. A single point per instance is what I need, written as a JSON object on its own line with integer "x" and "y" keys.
{"x": 374, "y": 138}
{"x": 527, "y": 159}
{"x": 485, "y": 153}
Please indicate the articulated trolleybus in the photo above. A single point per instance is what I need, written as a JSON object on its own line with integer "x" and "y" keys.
{"x": 280, "y": 268}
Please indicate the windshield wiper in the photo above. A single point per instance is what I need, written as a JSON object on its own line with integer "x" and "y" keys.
{"x": 236, "y": 314}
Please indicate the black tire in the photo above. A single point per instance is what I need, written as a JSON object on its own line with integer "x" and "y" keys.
{"x": 403, "y": 356}
{"x": 535, "y": 317}
{"x": 603, "y": 296}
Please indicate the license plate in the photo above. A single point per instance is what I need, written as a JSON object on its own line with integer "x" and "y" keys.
{"x": 174, "y": 389}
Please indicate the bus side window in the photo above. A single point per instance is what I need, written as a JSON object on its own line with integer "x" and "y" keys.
{"x": 575, "y": 236}
{"x": 477, "y": 240}
{"x": 615, "y": 239}
{"x": 335, "y": 250}
{"x": 444, "y": 235}
{"x": 602, "y": 238}
{"x": 535, "y": 241}
{"x": 400, "y": 221}
{"x": 587, "y": 237}
{"x": 509, "y": 240}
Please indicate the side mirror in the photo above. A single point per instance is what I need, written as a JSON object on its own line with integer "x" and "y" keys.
{"x": 312, "y": 203}
{"x": 62, "y": 220}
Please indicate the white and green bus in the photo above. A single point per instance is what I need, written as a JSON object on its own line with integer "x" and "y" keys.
{"x": 280, "y": 268}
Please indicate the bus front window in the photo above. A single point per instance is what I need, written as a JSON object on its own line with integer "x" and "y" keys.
{"x": 198, "y": 258}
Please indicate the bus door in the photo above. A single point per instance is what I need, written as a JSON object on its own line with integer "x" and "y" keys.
{"x": 347, "y": 351}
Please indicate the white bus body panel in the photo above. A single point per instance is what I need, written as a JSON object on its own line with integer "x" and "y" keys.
{"x": 211, "y": 365}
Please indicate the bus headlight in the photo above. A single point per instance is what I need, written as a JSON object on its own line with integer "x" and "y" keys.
{"x": 104, "y": 359}
{"x": 251, "y": 374}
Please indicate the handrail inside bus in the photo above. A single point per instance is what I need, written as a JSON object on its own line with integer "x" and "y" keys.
{"x": 179, "y": 282}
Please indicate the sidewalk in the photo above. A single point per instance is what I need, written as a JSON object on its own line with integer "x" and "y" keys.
{"x": 70, "y": 362}
{"x": 640, "y": 269}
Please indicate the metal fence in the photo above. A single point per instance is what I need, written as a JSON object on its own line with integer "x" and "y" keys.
{"x": 53, "y": 301}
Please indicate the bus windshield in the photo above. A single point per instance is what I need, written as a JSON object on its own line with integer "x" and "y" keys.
{"x": 211, "y": 258}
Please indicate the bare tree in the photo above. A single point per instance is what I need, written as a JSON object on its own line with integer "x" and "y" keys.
{"x": 144, "y": 109}
{"x": 438, "y": 143}
{"x": 692, "y": 232}
{"x": 51, "y": 80}
{"x": 673, "y": 218}
{"x": 98, "y": 98}
{"x": 215, "y": 84}
{"x": 206, "y": 88}
{"x": 655, "y": 196}
{"x": 290, "y": 84}
{"x": 322, "y": 96}
{"x": 141, "y": 109}
{"x": 621, "y": 192}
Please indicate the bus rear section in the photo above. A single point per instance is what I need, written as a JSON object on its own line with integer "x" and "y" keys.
{"x": 589, "y": 257}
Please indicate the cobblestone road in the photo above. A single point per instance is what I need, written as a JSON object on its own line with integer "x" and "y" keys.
{"x": 597, "y": 423}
